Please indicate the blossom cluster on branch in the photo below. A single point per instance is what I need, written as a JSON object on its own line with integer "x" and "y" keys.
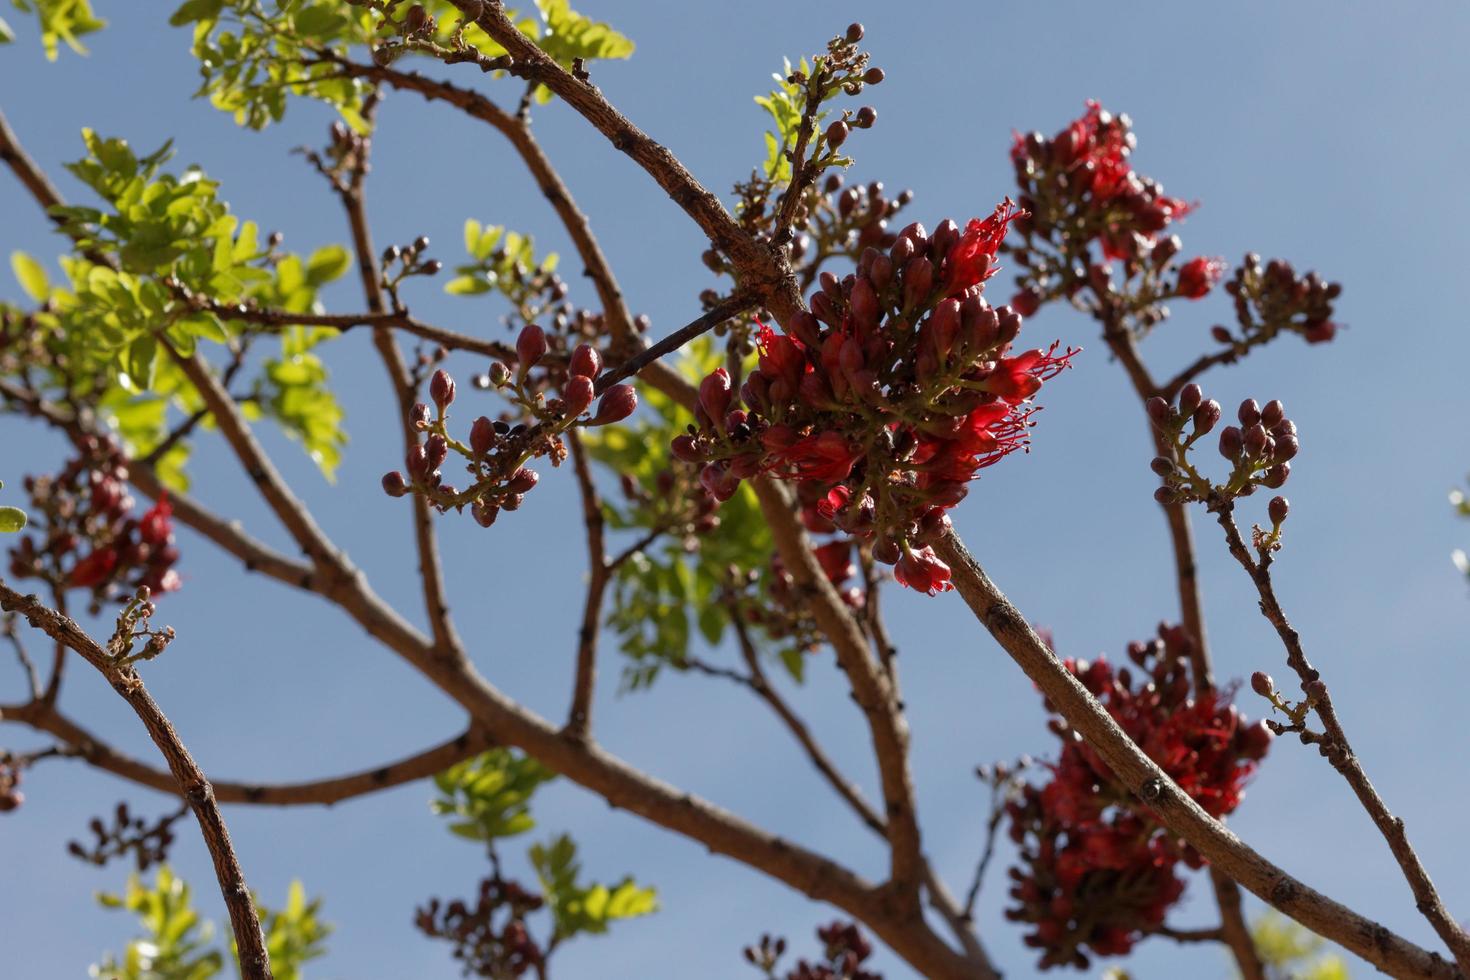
{"x": 88, "y": 534}
{"x": 1097, "y": 869}
{"x": 884, "y": 401}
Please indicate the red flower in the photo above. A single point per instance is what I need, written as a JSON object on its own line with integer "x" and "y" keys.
{"x": 922, "y": 571}
{"x": 94, "y": 569}
{"x": 836, "y": 560}
{"x": 1016, "y": 379}
{"x": 155, "y": 527}
{"x": 972, "y": 260}
{"x": 1199, "y": 275}
{"x": 825, "y": 458}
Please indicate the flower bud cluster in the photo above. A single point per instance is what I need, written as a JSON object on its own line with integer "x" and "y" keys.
{"x": 490, "y": 937}
{"x": 148, "y": 842}
{"x": 1097, "y": 870}
{"x": 1080, "y": 186}
{"x": 496, "y": 451}
{"x": 845, "y": 950}
{"x": 87, "y": 533}
{"x": 886, "y": 399}
{"x": 1259, "y": 449}
{"x": 1272, "y": 298}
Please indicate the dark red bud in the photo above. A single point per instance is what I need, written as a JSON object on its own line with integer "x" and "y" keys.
{"x": 1254, "y": 439}
{"x": 417, "y": 463}
{"x": 585, "y": 361}
{"x": 522, "y": 480}
{"x": 1273, "y": 413}
{"x": 530, "y": 346}
{"x": 918, "y": 281}
{"x": 1206, "y": 416}
{"x": 484, "y": 513}
{"x": 1278, "y": 509}
{"x": 1262, "y": 683}
{"x": 419, "y": 414}
{"x": 1249, "y": 413}
{"x": 482, "y": 436}
{"x": 436, "y": 449}
{"x": 1158, "y": 411}
{"x": 394, "y": 485}
{"x": 577, "y": 395}
{"x": 1287, "y": 446}
{"x": 1230, "y": 442}
{"x": 715, "y": 394}
{"x": 837, "y": 134}
{"x": 685, "y": 448}
{"x": 441, "y": 389}
{"x": 1190, "y": 398}
{"x": 617, "y": 404}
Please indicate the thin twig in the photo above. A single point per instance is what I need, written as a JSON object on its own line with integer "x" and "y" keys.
{"x": 1339, "y": 752}
{"x": 431, "y": 573}
{"x": 317, "y": 792}
{"x": 579, "y": 716}
{"x": 191, "y": 782}
{"x": 731, "y": 307}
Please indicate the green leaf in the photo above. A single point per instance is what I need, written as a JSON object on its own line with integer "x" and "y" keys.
{"x": 12, "y": 519}
{"x": 173, "y": 944}
{"x": 31, "y": 275}
{"x": 6, "y": 34}
{"x": 327, "y": 264}
{"x": 294, "y": 934}
{"x": 579, "y": 908}
{"x": 489, "y": 796}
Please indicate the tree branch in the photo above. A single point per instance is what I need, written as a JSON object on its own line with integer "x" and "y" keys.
{"x": 579, "y": 717}
{"x": 1339, "y": 751}
{"x": 1174, "y": 808}
{"x": 436, "y": 606}
{"x": 190, "y": 780}
{"x": 317, "y": 792}
{"x": 870, "y": 687}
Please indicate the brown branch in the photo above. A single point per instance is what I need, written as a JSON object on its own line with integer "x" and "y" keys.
{"x": 1123, "y": 343}
{"x": 579, "y": 717}
{"x": 1339, "y": 752}
{"x": 318, "y": 792}
{"x": 760, "y": 684}
{"x": 27, "y": 665}
{"x": 35, "y": 180}
{"x": 757, "y": 681}
{"x": 731, "y": 307}
{"x": 1216, "y": 935}
{"x": 517, "y": 130}
{"x": 870, "y": 687}
{"x": 1174, "y": 808}
{"x": 376, "y": 319}
{"x": 190, "y": 780}
{"x": 431, "y": 573}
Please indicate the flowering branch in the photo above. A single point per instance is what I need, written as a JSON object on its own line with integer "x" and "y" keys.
{"x": 190, "y": 780}
{"x": 1173, "y": 807}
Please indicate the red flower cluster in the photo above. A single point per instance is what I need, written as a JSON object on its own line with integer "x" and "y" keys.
{"x": 1199, "y": 275}
{"x": 1086, "y": 165}
{"x": 1098, "y": 871}
{"x": 884, "y": 401}
{"x": 86, "y": 511}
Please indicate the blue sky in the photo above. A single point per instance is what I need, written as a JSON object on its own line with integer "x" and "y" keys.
{"x": 1331, "y": 135}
